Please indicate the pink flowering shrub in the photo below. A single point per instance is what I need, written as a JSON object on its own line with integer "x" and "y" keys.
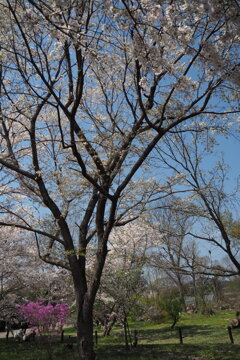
{"x": 47, "y": 318}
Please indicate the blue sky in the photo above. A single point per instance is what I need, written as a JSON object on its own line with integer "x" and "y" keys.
{"x": 231, "y": 151}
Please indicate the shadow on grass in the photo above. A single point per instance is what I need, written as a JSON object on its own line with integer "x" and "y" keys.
{"x": 193, "y": 330}
{"x": 170, "y": 352}
{"x": 168, "y": 333}
{"x": 40, "y": 349}
{"x": 37, "y": 350}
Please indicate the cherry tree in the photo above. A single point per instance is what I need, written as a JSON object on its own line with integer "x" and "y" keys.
{"x": 123, "y": 281}
{"x": 23, "y": 276}
{"x": 132, "y": 244}
{"x": 12, "y": 268}
{"x": 88, "y": 89}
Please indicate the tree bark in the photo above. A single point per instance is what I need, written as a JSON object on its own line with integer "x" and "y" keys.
{"x": 85, "y": 341}
{"x": 175, "y": 319}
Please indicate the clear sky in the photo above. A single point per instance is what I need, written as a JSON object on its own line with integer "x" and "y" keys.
{"x": 231, "y": 152}
{"x": 230, "y": 147}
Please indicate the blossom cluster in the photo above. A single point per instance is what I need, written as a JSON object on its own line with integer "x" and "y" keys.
{"x": 46, "y": 317}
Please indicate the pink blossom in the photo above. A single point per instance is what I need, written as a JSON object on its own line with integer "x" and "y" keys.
{"x": 46, "y": 317}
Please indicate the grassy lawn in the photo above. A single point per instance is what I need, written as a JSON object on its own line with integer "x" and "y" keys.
{"x": 35, "y": 350}
{"x": 205, "y": 338}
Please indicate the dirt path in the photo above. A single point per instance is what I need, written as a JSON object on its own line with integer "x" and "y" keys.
{"x": 3, "y": 335}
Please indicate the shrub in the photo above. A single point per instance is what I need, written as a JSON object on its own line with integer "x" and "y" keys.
{"x": 46, "y": 317}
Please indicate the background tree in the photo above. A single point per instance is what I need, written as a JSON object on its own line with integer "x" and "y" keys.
{"x": 179, "y": 259}
{"x": 88, "y": 89}
{"x": 208, "y": 200}
{"x": 173, "y": 304}
{"x": 24, "y": 277}
{"x": 173, "y": 228}
{"x": 195, "y": 266}
{"x": 123, "y": 280}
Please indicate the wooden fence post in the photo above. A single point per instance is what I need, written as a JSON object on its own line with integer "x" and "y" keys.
{"x": 230, "y": 334}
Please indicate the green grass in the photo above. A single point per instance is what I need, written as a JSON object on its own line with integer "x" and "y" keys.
{"x": 205, "y": 338}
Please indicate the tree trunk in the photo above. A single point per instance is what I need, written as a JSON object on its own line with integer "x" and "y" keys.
{"x": 85, "y": 340}
{"x": 85, "y": 293}
{"x": 125, "y": 333}
{"x": 175, "y": 319}
{"x": 109, "y": 324}
{"x": 85, "y": 333}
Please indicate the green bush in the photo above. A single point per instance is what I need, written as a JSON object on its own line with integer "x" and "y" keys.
{"x": 173, "y": 304}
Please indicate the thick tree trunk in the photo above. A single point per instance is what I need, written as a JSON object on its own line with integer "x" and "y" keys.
{"x": 85, "y": 291}
{"x": 84, "y": 315}
{"x": 85, "y": 333}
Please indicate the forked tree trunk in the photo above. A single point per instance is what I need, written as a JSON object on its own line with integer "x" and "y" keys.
{"x": 85, "y": 294}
